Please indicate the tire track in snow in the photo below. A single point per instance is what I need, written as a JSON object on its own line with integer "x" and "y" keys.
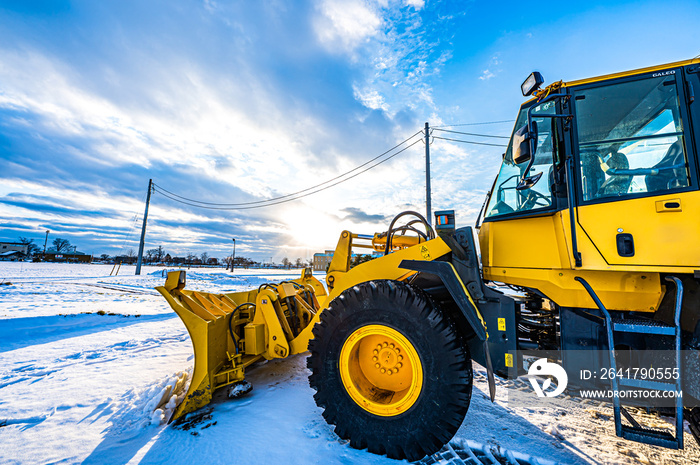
{"x": 16, "y": 333}
{"x": 39, "y": 369}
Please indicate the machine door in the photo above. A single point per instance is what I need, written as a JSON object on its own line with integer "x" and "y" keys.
{"x": 638, "y": 197}
{"x": 520, "y": 226}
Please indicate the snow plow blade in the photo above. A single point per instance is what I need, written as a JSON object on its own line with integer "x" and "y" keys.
{"x": 231, "y": 331}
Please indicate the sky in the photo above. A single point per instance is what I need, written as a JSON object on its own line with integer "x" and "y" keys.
{"x": 238, "y": 102}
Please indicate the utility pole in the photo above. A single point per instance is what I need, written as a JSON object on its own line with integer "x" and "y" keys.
{"x": 143, "y": 228}
{"x": 233, "y": 257}
{"x": 43, "y": 256}
{"x": 428, "y": 215}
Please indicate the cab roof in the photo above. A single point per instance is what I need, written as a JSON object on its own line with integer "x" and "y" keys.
{"x": 633, "y": 72}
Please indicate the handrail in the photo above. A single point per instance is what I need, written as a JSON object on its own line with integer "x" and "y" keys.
{"x": 611, "y": 352}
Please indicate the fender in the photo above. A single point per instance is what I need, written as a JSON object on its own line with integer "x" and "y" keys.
{"x": 461, "y": 296}
{"x": 449, "y": 277}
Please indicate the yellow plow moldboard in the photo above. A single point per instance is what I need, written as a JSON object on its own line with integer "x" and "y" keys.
{"x": 231, "y": 331}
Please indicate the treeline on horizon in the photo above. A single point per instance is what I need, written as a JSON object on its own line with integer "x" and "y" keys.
{"x": 156, "y": 256}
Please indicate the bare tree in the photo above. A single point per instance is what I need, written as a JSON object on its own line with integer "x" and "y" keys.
{"x": 299, "y": 263}
{"x": 204, "y": 257}
{"x": 359, "y": 259}
{"x": 61, "y": 244}
{"x": 286, "y": 263}
{"x": 191, "y": 258}
{"x": 31, "y": 246}
{"x": 160, "y": 254}
{"x": 155, "y": 255}
{"x": 130, "y": 253}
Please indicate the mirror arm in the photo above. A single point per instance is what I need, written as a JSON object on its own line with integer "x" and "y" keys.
{"x": 529, "y": 181}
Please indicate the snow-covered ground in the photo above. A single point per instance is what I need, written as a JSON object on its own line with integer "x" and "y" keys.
{"x": 85, "y": 357}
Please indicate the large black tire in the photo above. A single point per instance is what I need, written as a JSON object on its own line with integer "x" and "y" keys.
{"x": 437, "y": 413}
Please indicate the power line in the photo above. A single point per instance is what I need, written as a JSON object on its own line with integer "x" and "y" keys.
{"x": 130, "y": 231}
{"x": 473, "y": 134}
{"x": 469, "y": 142}
{"x": 333, "y": 181}
{"x": 257, "y": 202}
{"x": 187, "y": 202}
{"x": 134, "y": 221}
{"x": 475, "y": 124}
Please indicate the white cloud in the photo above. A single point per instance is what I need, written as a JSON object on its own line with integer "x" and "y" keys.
{"x": 406, "y": 56}
{"x": 210, "y": 5}
{"x": 417, "y": 4}
{"x": 345, "y": 25}
{"x": 196, "y": 132}
{"x": 492, "y": 71}
{"x": 486, "y": 75}
{"x": 227, "y": 124}
{"x": 370, "y": 98}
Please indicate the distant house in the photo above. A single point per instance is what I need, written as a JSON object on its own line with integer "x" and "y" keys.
{"x": 125, "y": 259}
{"x": 12, "y": 255}
{"x": 72, "y": 255}
{"x": 322, "y": 260}
{"x": 13, "y": 247}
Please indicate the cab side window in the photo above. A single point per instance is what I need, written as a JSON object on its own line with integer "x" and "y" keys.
{"x": 506, "y": 198}
{"x": 630, "y": 138}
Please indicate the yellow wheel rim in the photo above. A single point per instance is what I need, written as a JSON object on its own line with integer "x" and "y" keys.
{"x": 381, "y": 370}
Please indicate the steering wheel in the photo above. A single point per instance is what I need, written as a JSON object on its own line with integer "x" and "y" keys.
{"x": 534, "y": 199}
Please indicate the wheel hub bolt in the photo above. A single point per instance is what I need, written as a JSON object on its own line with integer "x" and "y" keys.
{"x": 387, "y": 358}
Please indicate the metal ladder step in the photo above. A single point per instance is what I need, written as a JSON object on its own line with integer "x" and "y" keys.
{"x": 647, "y": 384}
{"x": 650, "y": 436}
{"x": 642, "y": 326}
{"x": 636, "y": 432}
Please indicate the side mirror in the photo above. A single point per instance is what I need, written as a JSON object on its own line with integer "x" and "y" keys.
{"x": 523, "y": 148}
{"x": 528, "y": 181}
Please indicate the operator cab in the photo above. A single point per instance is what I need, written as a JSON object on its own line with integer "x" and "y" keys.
{"x": 619, "y": 150}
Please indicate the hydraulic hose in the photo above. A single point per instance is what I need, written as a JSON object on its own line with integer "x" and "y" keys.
{"x": 230, "y": 321}
{"x": 390, "y": 233}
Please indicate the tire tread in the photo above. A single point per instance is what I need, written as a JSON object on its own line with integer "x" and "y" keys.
{"x": 425, "y": 428}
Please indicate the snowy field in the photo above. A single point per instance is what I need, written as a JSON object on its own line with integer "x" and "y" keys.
{"x": 85, "y": 357}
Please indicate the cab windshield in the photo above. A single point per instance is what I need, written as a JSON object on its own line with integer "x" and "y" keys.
{"x": 505, "y": 198}
{"x": 630, "y": 139}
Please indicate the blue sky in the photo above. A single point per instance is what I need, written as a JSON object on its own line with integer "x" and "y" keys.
{"x": 243, "y": 101}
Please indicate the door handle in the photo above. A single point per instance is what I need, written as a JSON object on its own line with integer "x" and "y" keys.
{"x": 668, "y": 205}
{"x": 625, "y": 245}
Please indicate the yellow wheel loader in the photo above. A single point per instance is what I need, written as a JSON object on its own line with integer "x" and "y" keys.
{"x": 592, "y": 226}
